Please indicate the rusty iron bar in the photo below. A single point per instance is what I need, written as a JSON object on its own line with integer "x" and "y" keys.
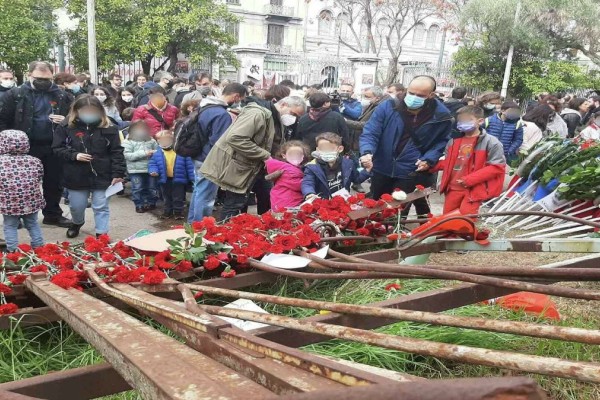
{"x": 514, "y": 388}
{"x": 460, "y": 276}
{"x": 582, "y": 371}
{"x": 514, "y": 327}
{"x": 365, "y": 212}
{"x": 536, "y": 272}
{"x": 139, "y": 300}
{"x": 158, "y": 366}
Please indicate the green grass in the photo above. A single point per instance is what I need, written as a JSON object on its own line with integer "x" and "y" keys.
{"x": 31, "y": 351}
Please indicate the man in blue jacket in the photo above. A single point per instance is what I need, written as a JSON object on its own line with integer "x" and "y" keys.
{"x": 507, "y": 127}
{"x": 214, "y": 121}
{"x": 404, "y": 138}
{"x": 350, "y": 108}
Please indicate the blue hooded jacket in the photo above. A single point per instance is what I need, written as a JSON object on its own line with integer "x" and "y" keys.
{"x": 144, "y": 97}
{"x": 183, "y": 171}
{"x": 215, "y": 121}
{"x": 509, "y": 133}
{"x": 384, "y": 129}
{"x": 315, "y": 180}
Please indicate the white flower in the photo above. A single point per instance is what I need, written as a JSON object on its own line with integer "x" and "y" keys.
{"x": 399, "y": 195}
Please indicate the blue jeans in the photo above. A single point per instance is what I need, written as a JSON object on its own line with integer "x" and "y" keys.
{"x": 78, "y": 203}
{"x": 11, "y": 224}
{"x": 203, "y": 198}
{"x": 143, "y": 190}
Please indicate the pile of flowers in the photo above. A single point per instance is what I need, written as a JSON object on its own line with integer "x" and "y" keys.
{"x": 224, "y": 248}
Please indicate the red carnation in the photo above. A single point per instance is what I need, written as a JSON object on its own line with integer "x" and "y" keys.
{"x": 25, "y": 248}
{"x": 80, "y": 135}
{"x": 276, "y": 249}
{"x": 223, "y": 257}
{"x": 8, "y": 308}
{"x": 387, "y": 197}
{"x": 153, "y": 278}
{"x": 14, "y": 257}
{"x": 38, "y": 268}
{"x": 65, "y": 279}
{"x": 127, "y": 276}
{"x": 197, "y": 295}
{"x": 17, "y": 279}
{"x": 108, "y": 257}
{"x": 228, "y": 273}
{"x": 211, "y": 263}
{"x": 242, "y": 259}
{"x": 184, "y": 266}
{"x": 5, "y": 289}
{"x": 369, "y": 203}
{"x": 419, "y": 187}
{"x": 287, "y": 242}
{"x": 363, "y": 232}
{"x": 65, "y": 245}
{"x": 392, "y": 287}
{"x": 393, "y": 236}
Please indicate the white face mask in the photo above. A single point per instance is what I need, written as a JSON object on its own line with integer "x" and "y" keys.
{"x": 127, "y": 99}
{"x": 288, "y": 119}
{"x": 101, "y": 98}
{"x": 7, "y": 83}
{"x": 365, "y": 102}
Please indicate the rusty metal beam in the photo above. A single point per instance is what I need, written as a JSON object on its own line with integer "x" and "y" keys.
{"x": 155, "y": 364}
{"x": 517, "y": 388}
{"x": 16, "y": 396}
{"x": 73, "y": 384}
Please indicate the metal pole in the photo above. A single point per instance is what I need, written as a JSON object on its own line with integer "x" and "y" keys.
{"x": 441, "y": 55}
{"x": 61, "y": 56}
{"x": 509, "y": 57}
{"x": 91, "y": 26}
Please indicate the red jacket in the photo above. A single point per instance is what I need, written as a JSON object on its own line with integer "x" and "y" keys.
{"x": 169, "y": 115}
{"x": 484, "y": 177}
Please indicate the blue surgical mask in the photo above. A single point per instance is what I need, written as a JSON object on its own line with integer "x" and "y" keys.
{"x": 413, "y": 102}
{"x": 466, "y": 126}
{"x": 326, "y": 156}
{"x": 89, "y": 118}
{"x": 76, "y": 88}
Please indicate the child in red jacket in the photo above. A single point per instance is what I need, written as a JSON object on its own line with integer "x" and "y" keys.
{"x": 473, "y": 167}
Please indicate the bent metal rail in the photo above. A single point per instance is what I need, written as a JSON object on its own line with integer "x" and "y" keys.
{"x": 217, "y": 360}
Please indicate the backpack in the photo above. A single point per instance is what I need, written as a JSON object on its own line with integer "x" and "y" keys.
{"x": 190, "y": 139}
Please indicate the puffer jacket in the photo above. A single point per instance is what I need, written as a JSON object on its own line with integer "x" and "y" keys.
{"x": 384, "y": 130}
{"x": 509, "y": 133}
{"x": 573, "y": 120}
{"x": 315, "y": 179}
{"x": 183, "y": 171}
{"x": 136, "y": 155}
{"x": 484, "y": 176}
{"x": 103, "y": 144}
{"x": 168, "y": 115}
{"x": 239, "y": 155}
{"x": 20, "y": 176}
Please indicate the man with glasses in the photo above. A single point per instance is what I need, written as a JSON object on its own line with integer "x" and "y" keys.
{"x": 404, "y": 138}
{"x": 36, "y": 108}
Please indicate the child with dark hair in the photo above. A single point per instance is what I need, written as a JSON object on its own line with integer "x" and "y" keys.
{"x": 329, "y": 172}
{"x": 474, "y": 165}
{"x": 287, "y": 175}
{"x": 507, "y": 127}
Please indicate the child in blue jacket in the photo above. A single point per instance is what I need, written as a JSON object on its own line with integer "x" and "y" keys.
{"x": 329, "y": 172}
{"x": 507, "y": 127}
{"x": 174, "y": 174}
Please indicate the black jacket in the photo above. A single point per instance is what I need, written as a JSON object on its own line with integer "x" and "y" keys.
{"x": 573, "y": 120}
{"x": 453, "y": 105}
{"x": 102, "y": 143}
{"x": 17, "y": 107}
{"x": 3, "y": 91}
{"x": 334, "y": 122}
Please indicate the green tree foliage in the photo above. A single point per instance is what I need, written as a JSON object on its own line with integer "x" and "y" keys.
{"x": 544, "y": 56}
{"x": 27, "y": 32}
{"x": 130, "y": 30}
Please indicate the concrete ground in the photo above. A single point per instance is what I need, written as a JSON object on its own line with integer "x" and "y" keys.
{"x": 124, "y": 221}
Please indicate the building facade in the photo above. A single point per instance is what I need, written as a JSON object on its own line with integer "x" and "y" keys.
{"x": 304, "y": 41}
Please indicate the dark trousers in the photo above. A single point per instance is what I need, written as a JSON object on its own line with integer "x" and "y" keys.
{"x": 233, "y": 204}
{"x": 262, "y": 189}
{"x": 173, "y": 196}
{"x": 51, "y": 184}
{"x": 381, "y": 184}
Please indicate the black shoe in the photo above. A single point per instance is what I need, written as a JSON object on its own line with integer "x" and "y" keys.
{"x": 178, "y": 216}
{"x": 140, "y": 210}
{"x": 61, "y": 221}
{"x": 149, "y": 207}
{"x": 100, "y": 234}
{"x": 73, "y": 231}
{"x": 166, "y": 215}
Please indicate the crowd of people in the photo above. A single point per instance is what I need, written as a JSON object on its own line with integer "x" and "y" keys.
{"x": 232, "y": 142}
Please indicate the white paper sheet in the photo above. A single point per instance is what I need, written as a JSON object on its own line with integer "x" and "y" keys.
{"x": 342, "y": 193}
{"x": 114, "y": 189}
{"x": 288, "y": 261}
{"x": 246, "y": 305}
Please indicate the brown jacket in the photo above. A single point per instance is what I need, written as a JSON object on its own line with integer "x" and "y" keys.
{"x": 356, "y": 127}
{"x": 239, "y": 155}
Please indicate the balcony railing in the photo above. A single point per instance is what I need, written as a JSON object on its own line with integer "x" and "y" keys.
{"x": 284, "y": 11}
{"x": 279, "y": 49}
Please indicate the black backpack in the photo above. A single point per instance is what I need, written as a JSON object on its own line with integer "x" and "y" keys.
{"x": 189, "y": 138}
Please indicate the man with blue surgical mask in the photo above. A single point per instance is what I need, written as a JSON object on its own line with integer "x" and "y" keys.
{"x": 404, "y": 138}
